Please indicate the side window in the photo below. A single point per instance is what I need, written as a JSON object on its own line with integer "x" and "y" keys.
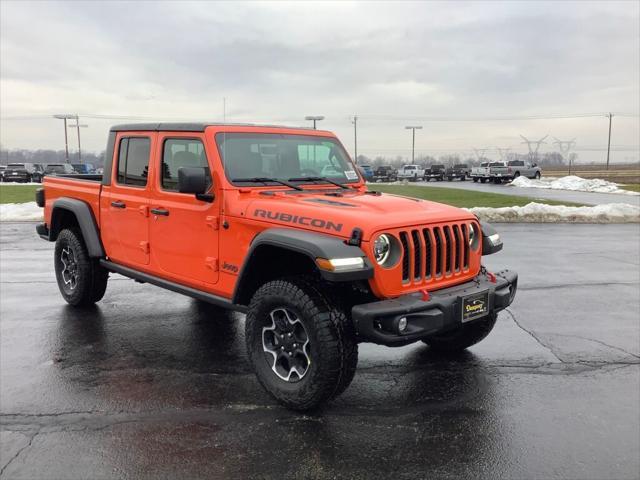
{"x": 133, "y": 161}
{"x": 181, "y": 152}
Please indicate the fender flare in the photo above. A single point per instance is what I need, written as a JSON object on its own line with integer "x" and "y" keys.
{"x": 312, "y": 245}
{"x": 86, "y": 220}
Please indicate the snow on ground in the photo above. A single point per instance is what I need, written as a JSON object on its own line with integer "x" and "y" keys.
{"x": 530, "y": 213}
{"x": 20, "y": 212}
{"x": 573, "y": 183}
{"x": 540, "y": 213}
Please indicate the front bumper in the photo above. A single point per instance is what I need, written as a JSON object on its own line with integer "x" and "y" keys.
{"x": 377, "y": 322}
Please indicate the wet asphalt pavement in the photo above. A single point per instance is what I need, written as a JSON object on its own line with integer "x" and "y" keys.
{"x": 586, "y": 198}
{"x": 150, "y": 384}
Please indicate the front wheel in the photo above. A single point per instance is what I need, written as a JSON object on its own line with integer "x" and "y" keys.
{"x": 537, "y": 176}
{"x": 300, "y": 344}
{"x": 464, "y": 336}
{"x": 81, "y": 279}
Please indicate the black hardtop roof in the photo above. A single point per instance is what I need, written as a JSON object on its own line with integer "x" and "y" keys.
{"x": 188, "y": 126}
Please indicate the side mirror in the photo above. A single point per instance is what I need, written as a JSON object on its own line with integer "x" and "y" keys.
{"x": 194, "y": 180}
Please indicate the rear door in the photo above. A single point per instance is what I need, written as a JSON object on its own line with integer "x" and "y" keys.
{"x": 184, "y": 230}
{"x": 124, "y": 205}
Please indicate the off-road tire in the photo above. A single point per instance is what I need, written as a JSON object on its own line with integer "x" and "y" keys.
{"x": 91, "y": 278}
{"x": 332, "y": 345}
{"x": 467, "y": 335}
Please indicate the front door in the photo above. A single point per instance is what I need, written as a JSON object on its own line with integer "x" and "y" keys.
{"x": 124, "y": 204}
{"x": 183, "y": 229}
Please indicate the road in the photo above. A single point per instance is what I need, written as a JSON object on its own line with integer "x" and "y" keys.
{"x": 586, "y": 198}
{"x": 150, "y": 384}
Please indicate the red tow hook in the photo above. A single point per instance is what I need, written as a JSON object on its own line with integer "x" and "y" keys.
{"x": 492, "y": 277}
{"x": 425, "y": 295}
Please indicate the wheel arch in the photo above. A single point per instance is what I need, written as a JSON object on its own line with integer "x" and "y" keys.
{"x": 71, "y": 212}
{"x": 279, "y": 252}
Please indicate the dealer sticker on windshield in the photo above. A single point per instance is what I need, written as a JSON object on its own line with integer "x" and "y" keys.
{"x": 475, "y": 306}
{"x": 351, "y": 175}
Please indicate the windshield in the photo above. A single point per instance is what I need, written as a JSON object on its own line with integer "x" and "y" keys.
{"x": 283, "y": 157}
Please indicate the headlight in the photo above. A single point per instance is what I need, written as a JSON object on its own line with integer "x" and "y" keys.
{"x": 381, "y": 248}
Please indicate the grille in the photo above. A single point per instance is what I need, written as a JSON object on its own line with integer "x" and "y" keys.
{"x": 432, "y": 253}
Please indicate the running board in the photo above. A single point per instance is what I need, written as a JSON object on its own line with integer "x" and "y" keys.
{"x": 174, "y": 287}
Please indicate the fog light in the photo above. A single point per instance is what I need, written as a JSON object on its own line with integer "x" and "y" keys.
{"x": 402, "y": 324}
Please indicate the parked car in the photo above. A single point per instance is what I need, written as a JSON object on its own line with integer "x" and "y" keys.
{"x": 413, "y": 173}
{"x": 20, "y": 172}
{"x": 517, "y": 168}
{"x": 499, "y": 172}
{"x": 385, "y": 173}
{"x": 83, "y": 168}
{"x": 460, "y": 171}
{"x": 315, "y": 275}
{"x": 58, "y": 169}
{"x": 366, "y": 171}
{"x": 2, "y": 169}
{"x": 39, "y": 173}
{"x": 480, "y": 173}
{"x": 435, "y": 172}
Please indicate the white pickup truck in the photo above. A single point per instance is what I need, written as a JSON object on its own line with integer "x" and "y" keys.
{"x": 413, "y": 173}
{"x": 480, "y": 173}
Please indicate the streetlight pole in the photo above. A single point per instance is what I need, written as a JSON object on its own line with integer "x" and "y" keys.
{"x": 65, "y": 117}
{"x": 413, "y": 140}
{"x": 609, "y": 142}
{"x": 77, "y": 126}
{"x": 355, "y": 137}
{"x": 314, "y": 119}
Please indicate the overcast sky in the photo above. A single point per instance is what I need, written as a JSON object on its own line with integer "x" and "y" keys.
{"x": 392, "y": 64}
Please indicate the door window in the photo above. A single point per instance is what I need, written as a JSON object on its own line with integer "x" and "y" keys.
{"x": 133, "y": 161}
{"x": 181, "y": 152}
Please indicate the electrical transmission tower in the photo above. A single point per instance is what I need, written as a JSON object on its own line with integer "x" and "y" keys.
{"x": 564, "y": 147}
{"x": 533, "y": 152}
{"x": 480, "y": 153}
{"x": 504, "y": 153}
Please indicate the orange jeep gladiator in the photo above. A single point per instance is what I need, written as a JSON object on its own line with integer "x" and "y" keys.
{"x": 276, "y": 222}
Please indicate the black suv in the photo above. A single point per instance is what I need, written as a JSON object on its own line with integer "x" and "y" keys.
{"x": 21, "y": 172}
{"x": 460, "y": 171}
{"x": 385, "y": 173}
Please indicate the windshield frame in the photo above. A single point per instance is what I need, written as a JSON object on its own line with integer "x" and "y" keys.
{"x": 318, "y": 138}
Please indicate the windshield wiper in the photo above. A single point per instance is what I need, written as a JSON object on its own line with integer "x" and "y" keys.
{"x": 320, "y": 179}
{"x": 267, "y": 180}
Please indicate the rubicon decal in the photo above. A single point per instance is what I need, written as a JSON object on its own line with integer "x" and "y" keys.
{"x": 300, "y": 220}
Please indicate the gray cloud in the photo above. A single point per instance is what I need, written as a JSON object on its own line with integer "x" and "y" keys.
{"x": 279, "y": 61}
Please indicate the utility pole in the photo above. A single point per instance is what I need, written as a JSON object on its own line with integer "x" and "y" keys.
{"x": 314, "y": 119}
{"x": 77, "y": 126}
{"x": 564, "y": 147}
{"x": 413, "y": 140}
{"x": 355, "y": 137}
{"x": 609, "y": 142}
{"x": 533, "y": 152}
{"x": 65, "y": 117}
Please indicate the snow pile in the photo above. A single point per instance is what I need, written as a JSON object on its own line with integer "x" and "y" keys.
{"x": 20, "y": 212}
{"x": 573, "y": 183}
{"x": 540, "y": 213}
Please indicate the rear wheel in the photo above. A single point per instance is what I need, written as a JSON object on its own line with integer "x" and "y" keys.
{"x": 299, "y": 343}
{"x": 465, "y": 336}
{"x": 475, "y": 179}
{"x": 516, "y": 175}
{"x": 537, "y": 176}
{"x": 484, "y": 180}
{"x": 81, "y": 279}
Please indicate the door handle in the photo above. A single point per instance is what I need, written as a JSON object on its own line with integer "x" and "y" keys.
{"x": 160, "y": 211}
{"x": 118, "y": 204}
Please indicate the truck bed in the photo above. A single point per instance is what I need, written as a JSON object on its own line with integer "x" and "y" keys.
{"x": 81, "y": 187}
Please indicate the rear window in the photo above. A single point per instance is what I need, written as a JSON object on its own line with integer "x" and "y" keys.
{"x": 516, "y": 163}
{"x": 496, "y": 164}
{"x": 133, "y": 161}
{"x": 16, "y": 165}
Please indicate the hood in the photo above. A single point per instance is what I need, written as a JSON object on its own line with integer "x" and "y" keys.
{"x": 339, "y": 215}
